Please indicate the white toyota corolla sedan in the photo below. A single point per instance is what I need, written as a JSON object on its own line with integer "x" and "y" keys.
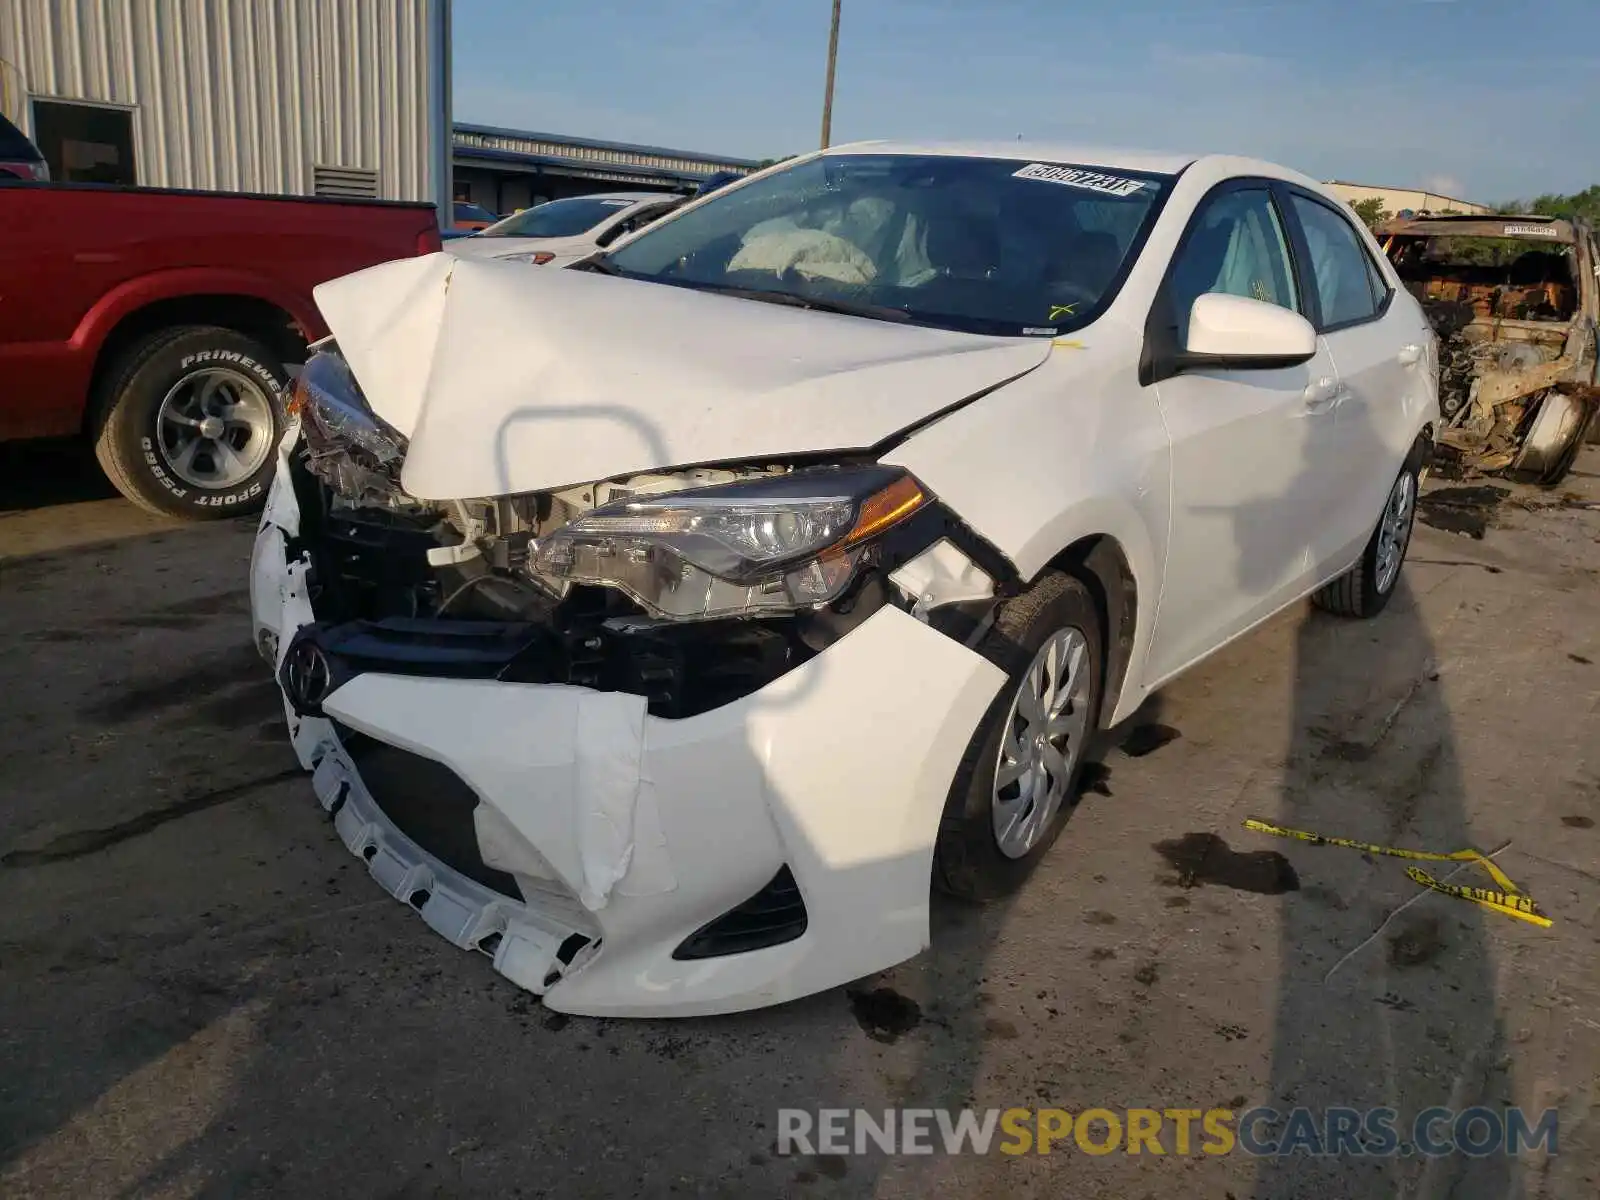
{"x": 665, "y": 628}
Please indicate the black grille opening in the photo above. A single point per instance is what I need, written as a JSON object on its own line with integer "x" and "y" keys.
{"x": 429, "y": 803}
{"x": 774, "y": 915}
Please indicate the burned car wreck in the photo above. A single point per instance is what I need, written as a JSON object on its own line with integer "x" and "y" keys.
{"x": 1514, "y": 302}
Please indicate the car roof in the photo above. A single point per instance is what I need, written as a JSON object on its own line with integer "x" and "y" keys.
{"x": 1154, "y": 161}
{"x": 636, "y": 196}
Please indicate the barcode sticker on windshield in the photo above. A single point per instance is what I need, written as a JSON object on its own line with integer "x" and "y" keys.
{"x": 1092, "y": 181}
{"x": 1531, "y": 231}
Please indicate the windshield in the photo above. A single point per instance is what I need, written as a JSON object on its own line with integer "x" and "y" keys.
{"x": 998, "y": 246}
{"x": 558, "y": 218}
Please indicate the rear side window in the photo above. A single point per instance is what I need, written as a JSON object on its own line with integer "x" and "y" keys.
{"x": 1344, "y": 274}
{"x": 1237, "y": 247}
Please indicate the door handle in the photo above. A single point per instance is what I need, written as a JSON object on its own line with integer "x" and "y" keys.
{"x": 1321, "y": 393}
{"x": 1410, "y": 356}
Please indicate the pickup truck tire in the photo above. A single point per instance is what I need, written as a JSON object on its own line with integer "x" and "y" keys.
{"x": 187, "y": 422}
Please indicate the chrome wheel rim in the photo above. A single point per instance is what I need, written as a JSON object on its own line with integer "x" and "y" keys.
{"x": 1394, "y": 531}
{"x": 1043, "y": 739}
{"x": 214, "y": 428}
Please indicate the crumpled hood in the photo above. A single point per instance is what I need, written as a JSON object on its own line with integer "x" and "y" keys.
{"x": 509, "y": 378}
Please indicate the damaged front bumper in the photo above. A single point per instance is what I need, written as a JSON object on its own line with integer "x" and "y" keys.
{"x": 620, "y": 863}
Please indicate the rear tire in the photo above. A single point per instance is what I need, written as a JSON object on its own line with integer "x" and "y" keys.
{"x": 1365, "y": 589}
{"x": 161, "y": 400}
{"x": 969, "y": 861}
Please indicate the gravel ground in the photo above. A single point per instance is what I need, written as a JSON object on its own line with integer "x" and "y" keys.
{"x": 202, "y": 993}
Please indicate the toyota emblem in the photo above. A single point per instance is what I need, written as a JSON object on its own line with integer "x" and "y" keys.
{"x": 307, "y": 677}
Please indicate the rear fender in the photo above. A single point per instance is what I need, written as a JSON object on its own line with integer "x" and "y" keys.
{"x": 132, "y": 295}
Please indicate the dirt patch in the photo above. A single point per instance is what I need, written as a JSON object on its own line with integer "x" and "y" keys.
{"x": 179, "y": 689}
{"x": 1417, "y": 943}
{"x": 1201, "y": 858}
{"x": 1464, "y": 510}
{"x": 884, "y": 1014}
{"x": 88, "y": 841}
{"x": 1096, "y": 778}
{"x": 1147, "y": 739}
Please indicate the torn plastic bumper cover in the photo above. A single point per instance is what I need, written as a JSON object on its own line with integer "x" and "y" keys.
{"x": 646, "y": 853}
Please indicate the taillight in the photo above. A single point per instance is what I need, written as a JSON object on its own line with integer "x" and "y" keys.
{"x": 36, "y": 171}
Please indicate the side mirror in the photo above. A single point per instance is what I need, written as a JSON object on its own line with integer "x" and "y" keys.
{"x": 1237, "y": 332}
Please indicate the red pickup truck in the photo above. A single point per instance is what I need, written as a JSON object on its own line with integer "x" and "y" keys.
{"x": 158, "y": 323}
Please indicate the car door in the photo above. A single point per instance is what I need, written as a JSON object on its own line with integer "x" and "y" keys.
{"x": 1379, "y": 353}
{"x": 1248, "y": 480}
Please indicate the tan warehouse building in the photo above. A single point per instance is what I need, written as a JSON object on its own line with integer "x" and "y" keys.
{"x": 1397, "y": 199}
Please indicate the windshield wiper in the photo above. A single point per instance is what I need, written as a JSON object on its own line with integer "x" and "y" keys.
{"x": 878, "y": 312}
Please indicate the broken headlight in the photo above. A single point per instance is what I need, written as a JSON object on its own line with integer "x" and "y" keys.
{"x": 326, "y": 396}
{"x": 770, "y": 545}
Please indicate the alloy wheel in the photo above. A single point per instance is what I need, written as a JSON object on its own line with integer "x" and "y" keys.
{"x": 1394, "y": 530}
{"x": 214, "y": 428}
{"x": 1044, "y": 736}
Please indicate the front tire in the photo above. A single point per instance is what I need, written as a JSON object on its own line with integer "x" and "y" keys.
{"x": 1020, "y": 777}
{"x": 188, "y": 422}
{"x": 1365, "y": 589}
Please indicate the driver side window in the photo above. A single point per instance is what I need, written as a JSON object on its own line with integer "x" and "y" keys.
{"x": 1237, "y": 246}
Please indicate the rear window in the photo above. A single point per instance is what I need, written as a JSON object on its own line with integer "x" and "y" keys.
{"x": 558, "y": 218}
{"x": 14, "y": 145}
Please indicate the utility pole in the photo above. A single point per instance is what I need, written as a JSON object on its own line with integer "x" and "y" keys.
{"x": 827, "y": 98}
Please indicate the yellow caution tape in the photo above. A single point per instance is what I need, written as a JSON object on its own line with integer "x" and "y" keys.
{"x": 1508, "y": 899}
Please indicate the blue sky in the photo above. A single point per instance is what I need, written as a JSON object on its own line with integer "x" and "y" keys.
{"x": 1481, "y": 99}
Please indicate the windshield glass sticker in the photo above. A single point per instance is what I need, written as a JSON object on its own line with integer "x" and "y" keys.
{"x": 616, "y": 203}
{"x": 1089, "y": 181}
{"x": 1061, "y": 310}
{"x": 1038, "y": 331}
{"x": 1530, "y": 231}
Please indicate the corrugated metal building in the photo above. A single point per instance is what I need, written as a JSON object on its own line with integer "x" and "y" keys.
{"x": 304, "y": 97}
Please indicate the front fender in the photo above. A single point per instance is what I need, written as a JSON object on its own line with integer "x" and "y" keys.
{"x": 1075, "y": 450}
